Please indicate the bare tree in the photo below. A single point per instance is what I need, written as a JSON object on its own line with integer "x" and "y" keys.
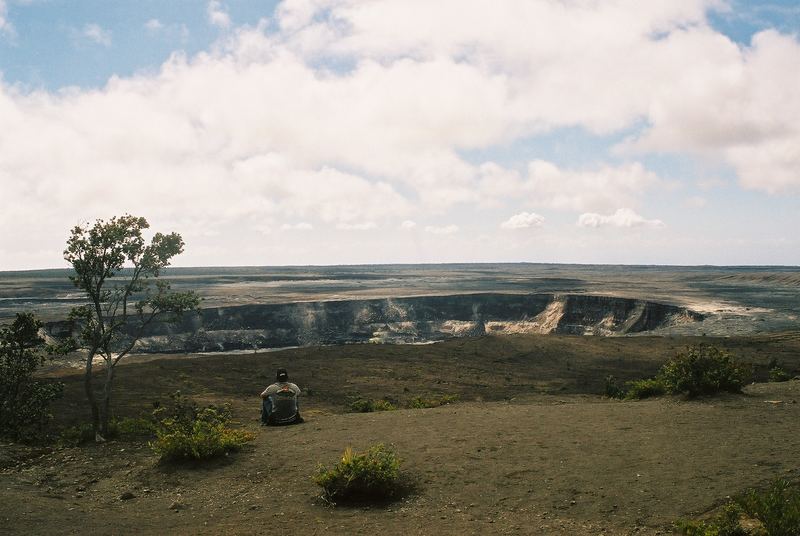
{"x": 116, "y": 268}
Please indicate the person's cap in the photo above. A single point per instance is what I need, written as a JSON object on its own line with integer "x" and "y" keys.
{"x": 282, "y": 375}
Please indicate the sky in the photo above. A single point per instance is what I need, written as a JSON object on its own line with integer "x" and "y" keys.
{"x": 302, "y": 132}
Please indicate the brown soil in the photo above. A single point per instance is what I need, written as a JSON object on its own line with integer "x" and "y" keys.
{"x": 531, "y": 448}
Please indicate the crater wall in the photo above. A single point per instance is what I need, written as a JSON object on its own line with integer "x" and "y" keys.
{"x": 403, "y": 320}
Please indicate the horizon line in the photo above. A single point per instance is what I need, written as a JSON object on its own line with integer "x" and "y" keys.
{"x": 453, "y": 263}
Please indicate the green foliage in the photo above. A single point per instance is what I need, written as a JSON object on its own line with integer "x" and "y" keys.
{"x": 725, "y": 524}
{"x": 367, "y": 405}
{"x": 419, "y": 402}
{"x": 639, "y": 389}
{"x": 114, "y": 266}
{"x": 186, "y": 432}
{"x": 131, "y": 428}
{"x": 128, "y": 428}
{"x": 24, "y": 400}
{"x": 702, "y": 370}
{"x": 612, "y": 388}
{"x": 372, "y": 476}
{"x": 777, "y": 374}
{"x": 777, "y": 508}
{"x": 699, "y": 370}
{"x": 77, "y": 435}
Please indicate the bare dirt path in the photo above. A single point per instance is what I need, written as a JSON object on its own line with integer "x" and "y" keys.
{"x": 575, "y": 465}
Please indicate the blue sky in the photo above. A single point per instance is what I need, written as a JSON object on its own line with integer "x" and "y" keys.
{"x": 325, "y": 132}
{"x": 50, "y": 50}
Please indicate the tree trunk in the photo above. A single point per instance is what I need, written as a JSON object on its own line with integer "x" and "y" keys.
{"x": 89, "y": 388}
{"x": 106, "y": 408}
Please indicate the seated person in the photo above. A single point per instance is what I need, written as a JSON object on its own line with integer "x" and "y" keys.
{"x": 280, "y": 405}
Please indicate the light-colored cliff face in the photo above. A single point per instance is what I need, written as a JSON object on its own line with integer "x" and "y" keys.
{"x": 405, "y": 320}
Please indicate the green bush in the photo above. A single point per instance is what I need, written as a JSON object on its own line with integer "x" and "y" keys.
{"x": 639, "y": 389}
{"x": 130, "y": 427}
{"x": 185, "y": 432}
{"x": 76, "y": 435}
{"x": 777, "y": 508}
{"x": 777, "y": 374}
{"x": 367, "y": 405}
{"x": 726, "y": 524}
{"x": 419, "y": 402}
{"x": 24, "y": 400}
{"x": 702, "y": 370}
{"x": 372, "y": 476}
{"x": 127, "y": 428}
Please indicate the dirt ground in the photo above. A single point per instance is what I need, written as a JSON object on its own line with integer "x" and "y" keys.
{"x": 530, "y": 448}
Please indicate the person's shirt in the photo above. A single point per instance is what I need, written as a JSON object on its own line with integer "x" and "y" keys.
{"x": 283, "y": 398}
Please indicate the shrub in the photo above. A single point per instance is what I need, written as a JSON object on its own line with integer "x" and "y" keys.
{"x": 777, "y": 508}
{"x": 367, "y": 405}
{"x": 126, "y": 428}
{"x": 702, "y": 370}
{"x": 613, "y": 388}
{"x": 133, "y": 427}
{"x": 384, "y": 405}
{"x": 726, "y": 524}
{"x": 777, "y": 374}
{"x": 639, "y": 389}
{"x": 372, "y": 476}
{"x": 76, "y": 435}
{"x": 419, "y": 402}
{"x": 24, "y": 400}
{"x": 185, "y": 432}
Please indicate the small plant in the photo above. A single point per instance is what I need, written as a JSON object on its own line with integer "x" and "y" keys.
{"x": 372, "y": 476}
{"x": 126, "y": 428}
{"x": 612, "y": 388}
{"x": 725, "y": 524}
{"x": 367, "y": 405}
{"x": 639, "y": 389}
{"x": 777, "y": 374}
{"x": 24, "y": 399}
{"x": 702, "y": 370}
{"x": 384, "y": 405}
{"x": 419, "y": 402}
{"x": 777, "y": 508}
{"x": 130, "y": 427}
{"x": 76, "y": 435}
{"x": 185, "y": 431}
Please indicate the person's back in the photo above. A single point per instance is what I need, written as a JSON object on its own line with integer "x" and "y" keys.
{"x": 280, "y": 401}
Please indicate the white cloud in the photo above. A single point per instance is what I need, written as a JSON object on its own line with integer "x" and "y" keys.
{"x": 217, "y": 15}
{"x": 362, "y": 226}
{"x": 302, "y": 226}
{"x": 695, "y": 201}
{"x": 96, "y": 33}
{"x": 153, "y": 25}
{"x": 623, "y": 217}
{"x": 261, "y": 127}
{"x": 599, "y": 188}
{"x": 443, "y": 230}
{"x": 6, "y": 28}
{"x": 734, "y": 103}
{"x": 523, "y": 220}
{"x": 174, "y": 31}
{"x": 408, "y": 224}
{"x": 623, "y": 62}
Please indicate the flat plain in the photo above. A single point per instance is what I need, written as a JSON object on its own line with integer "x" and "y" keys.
{"x": 530, "y": 446}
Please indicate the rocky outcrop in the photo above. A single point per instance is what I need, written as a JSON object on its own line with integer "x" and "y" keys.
{"x": 403, "y": 320}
